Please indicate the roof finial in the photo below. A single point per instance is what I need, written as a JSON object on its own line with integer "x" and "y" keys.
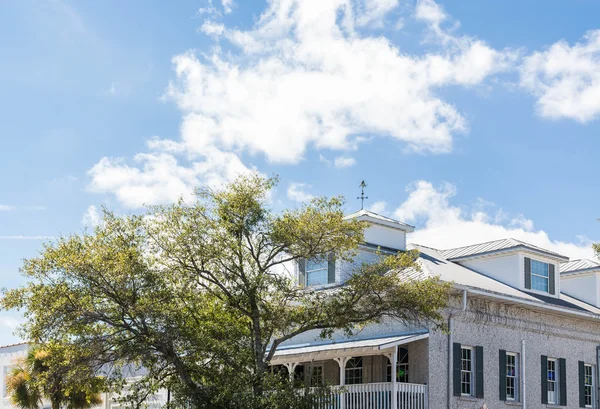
{"x": 362, "y": 196}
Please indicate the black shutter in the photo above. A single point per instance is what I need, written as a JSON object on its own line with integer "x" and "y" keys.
{"x": 562, "y": 382}
{"x": 479, "y": 372}
{"x": 330, "y": 268}
{"x": 456, "y": 357}
{"x": 544, "y": 379}
{"x": 528, "y": 273}
{"x": 581, "y": 384}
{"x": 301, "y": 271}
{"x": 551, "y": 282}
{"x": 502, "y": 375}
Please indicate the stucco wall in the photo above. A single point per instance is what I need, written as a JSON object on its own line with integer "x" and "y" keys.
{"x": 503, "y": 268}
{"x": 582, "y": 286}
{"x": 494, "y": 327}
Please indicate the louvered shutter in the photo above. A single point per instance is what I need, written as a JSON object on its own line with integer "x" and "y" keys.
{"x": 562, "y": 381}
{"x": 581, "y": 384}
{"x": 502, "y": 375}
{"x": 544, "y": 379}
{"x": 330, "y": 268}
{"x": 528, "y": 273}
{"x": 551, "y": 282}
{"x": 302, "y": 272}
{"x": 479, "y": 372}
{"x": 456, "y": 356}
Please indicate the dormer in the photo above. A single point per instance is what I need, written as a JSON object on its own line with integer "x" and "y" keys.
{"x": 513, "y": 262}
{"x": 382, "y": 234}
{"x": 581, "y": 279}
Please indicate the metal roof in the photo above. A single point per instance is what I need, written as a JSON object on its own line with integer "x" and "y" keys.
{"x": 491, "y": 247}
{"x": 344, "y": 348}
{"x": 579, "y": 265}
{"x": 386, "y": 221}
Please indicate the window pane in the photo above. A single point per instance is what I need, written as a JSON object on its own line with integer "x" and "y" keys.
{"x": 539, "y": 283}
{"x": 539, "y": 268}
{"x": 466, "y": 373}
{"x": 312, "y": 265}
{"x": 318, "y": 277}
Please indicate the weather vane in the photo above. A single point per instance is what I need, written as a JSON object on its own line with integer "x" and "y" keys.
{"x": 362, "y": 196}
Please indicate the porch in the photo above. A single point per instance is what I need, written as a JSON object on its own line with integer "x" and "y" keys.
{"x": 360, "y": 371}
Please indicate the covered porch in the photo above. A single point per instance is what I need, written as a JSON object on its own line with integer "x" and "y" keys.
{"x": 360, "y": 371}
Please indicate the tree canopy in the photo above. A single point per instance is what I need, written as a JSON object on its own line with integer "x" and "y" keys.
{"x": 202, "y": 294}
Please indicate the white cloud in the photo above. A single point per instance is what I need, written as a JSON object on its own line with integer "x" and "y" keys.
{"x": 91, "y": 218}
{"x": 296, "y": 192}
{"x": 227, "y": 5}
{"x": 372, "y": 12}
{"x": 19, "y": 237}
{"x": 8, "y": 322}
{"x": 159, "y": 178}
{"x": 378, "y": 207}
{"x": 566, "y": 79}
{"x": 444, "y": 225}
{"x": 430, "y": 12}
{"x": 6, "y": 208}
{"x": 344, "y": 162}
{"x": 211, "y": 28}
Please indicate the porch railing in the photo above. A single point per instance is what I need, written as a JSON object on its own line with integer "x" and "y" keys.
{"x": 376, "y": 396}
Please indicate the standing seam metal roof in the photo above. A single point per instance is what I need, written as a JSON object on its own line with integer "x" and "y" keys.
{"x": 494, "y": 246}
{"x": 577, "y": 265}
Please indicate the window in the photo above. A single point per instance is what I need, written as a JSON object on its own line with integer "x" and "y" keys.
{"x": 466, "y": 371}
{"x": 589, "y": 386}
{"x": 552, "y": 380}
{"x": 354, "y": 371}
{"x": 401, "y": 367}
{"x": 512, "y": 376}
{"x": 539, "y": 276}
{"x": 316, "y": 272}
{"x": 315, "y": 374}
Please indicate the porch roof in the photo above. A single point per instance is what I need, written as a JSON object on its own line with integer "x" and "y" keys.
{"x": 346, "y": 348}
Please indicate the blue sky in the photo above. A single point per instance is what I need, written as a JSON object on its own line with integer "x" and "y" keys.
{"x": 473, "y": 120}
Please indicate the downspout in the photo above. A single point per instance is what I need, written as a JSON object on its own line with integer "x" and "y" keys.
{"x": 523, "y": 382}
{"x": 450, "y": 343}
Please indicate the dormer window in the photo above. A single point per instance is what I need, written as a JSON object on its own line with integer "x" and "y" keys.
{"x": 539, "y": 276}
{"x": 316, "y": 272}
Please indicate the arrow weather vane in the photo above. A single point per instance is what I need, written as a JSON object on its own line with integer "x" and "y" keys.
{"x": 362, "y": 196}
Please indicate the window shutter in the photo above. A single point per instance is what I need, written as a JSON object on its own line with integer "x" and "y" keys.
{"x": 479, "y": 372}
{"x": 528, "y": 273}
{"x": 330, "y": 268}
{"x": 456, "y": 356}
{"x": 502, "y": 374}
{"x": 562, "y": 382}
{"x": 544, "y": 379}
{"x": 581, "y": 384}
{"x": 302, "y": 272}
{"x": 551, "y": 282}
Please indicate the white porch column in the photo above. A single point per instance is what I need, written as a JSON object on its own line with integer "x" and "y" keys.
{"x": 291, "y": 367}
{"x": 394, "y": 363}
{"x": 342, "y": 363}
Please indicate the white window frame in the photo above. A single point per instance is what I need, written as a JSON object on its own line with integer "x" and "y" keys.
{"x": 554, "y": 382}
{"x": 546, "y": 277}
{"x": 399, "y": 365}
{"x": 316, "y": 270}
{"x": 310, "y": 373}
{"x": 589, "y": 385}
{"x": 467, "y": 370}
{"x": 515, "y": 377}
{"x": 355, "y": 372}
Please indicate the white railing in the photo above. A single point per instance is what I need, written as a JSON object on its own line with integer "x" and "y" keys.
{"x": 376, "y": 396}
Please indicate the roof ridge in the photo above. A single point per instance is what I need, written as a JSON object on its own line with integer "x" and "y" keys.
{"x": 478, "y": 244}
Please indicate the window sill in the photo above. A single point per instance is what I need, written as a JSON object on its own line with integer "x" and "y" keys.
{"x": 513, "y": 403}
{"x": 469, "y": 398}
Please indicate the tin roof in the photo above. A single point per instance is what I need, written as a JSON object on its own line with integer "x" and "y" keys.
{"x": 579, "y": 265}
{"x": 496, "y": 246}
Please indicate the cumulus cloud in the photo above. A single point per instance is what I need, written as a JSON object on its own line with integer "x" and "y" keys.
{"x": 296, "y": 192}
{"x": 159, "y": 178}
{"x": 566, "y": 79}
{"x": 378, "y": 207}
{"x": 344, "y": 162}
{"x": 444, "y": 225}
{"x": 6, "y": 208}
{"x": 91, "y": 217}
{"x": 304, "y": 76}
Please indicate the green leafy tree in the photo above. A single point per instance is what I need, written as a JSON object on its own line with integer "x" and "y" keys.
{"x": 201, "y": 295}
{"x": 48, "y": 373}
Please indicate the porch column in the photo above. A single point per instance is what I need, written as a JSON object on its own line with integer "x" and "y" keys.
{"x": 394, "y": 363}
{"x": 342, "y": 363}
{"x": 291, "y": 367}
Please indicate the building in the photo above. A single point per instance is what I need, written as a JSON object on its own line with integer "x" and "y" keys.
{"x": 524, "y": 332}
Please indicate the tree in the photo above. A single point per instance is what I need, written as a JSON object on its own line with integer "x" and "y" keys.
{"x": 201, "y": 295}
{"x": 47, "y": 372}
